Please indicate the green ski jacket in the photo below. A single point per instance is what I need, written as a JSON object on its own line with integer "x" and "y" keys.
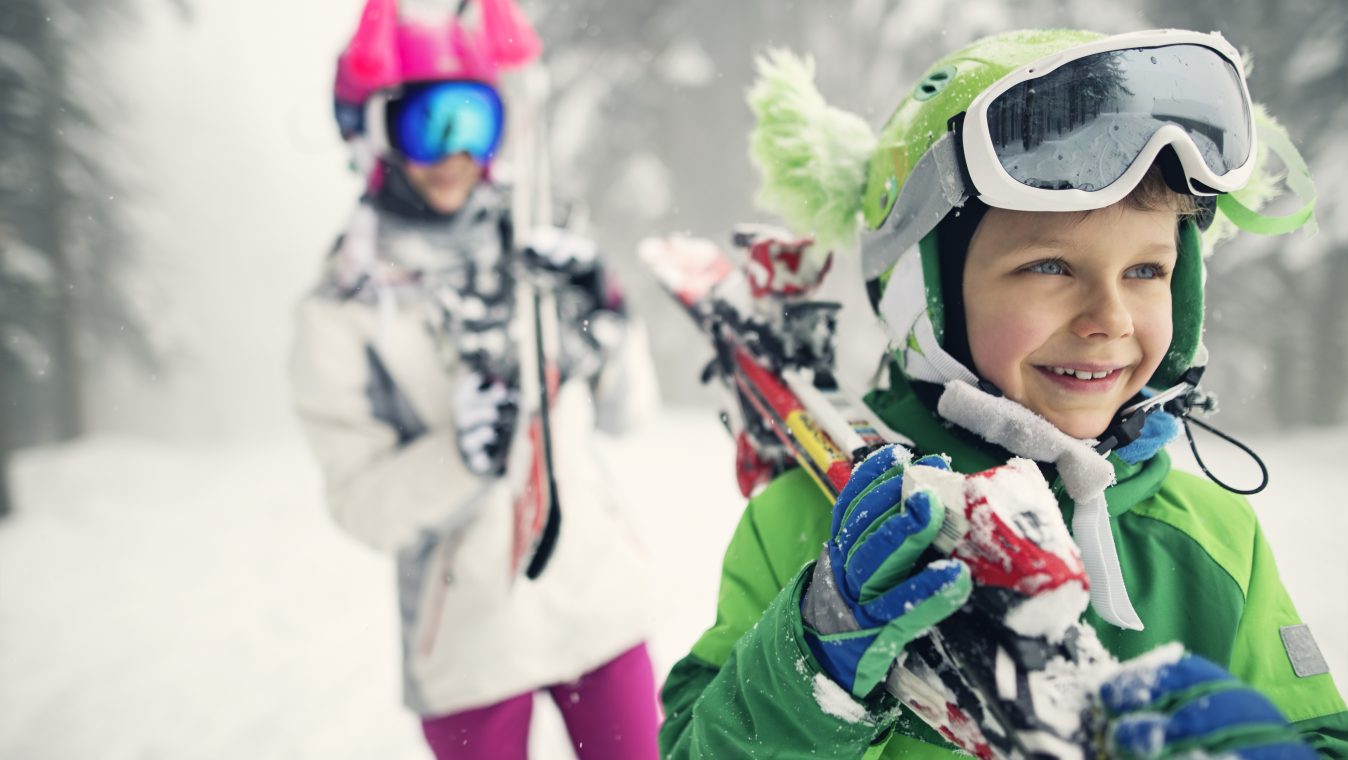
{"x": 1198, "y": 569}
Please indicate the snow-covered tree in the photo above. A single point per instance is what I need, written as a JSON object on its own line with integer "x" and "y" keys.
{"x": 62, "y": 238}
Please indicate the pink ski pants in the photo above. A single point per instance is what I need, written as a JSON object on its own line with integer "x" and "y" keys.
{"x": 610, "y": 714}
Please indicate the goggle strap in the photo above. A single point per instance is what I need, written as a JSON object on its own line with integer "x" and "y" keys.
{"x": 1298, "y": 180}
{"x": 1250, "y": 220}
{"x": 950, "y": 169}
{"x": 917, "y": 211}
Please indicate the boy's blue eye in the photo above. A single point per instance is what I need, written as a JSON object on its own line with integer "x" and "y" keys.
{"x": 1146, "y": 272}
{"x": 1048, "y": 266}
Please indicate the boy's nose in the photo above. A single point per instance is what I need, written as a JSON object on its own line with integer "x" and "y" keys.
{"x": 1103, "y": 313}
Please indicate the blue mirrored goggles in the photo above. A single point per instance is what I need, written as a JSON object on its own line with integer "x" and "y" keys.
{"x": 429, "y": 122}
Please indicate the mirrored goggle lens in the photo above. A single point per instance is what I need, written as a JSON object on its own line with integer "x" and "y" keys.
{"x": 431, "y": 122}
{"x": 1083, "y": 124}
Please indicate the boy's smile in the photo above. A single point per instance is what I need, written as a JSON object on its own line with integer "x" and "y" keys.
{"x": 1067, "y": 314}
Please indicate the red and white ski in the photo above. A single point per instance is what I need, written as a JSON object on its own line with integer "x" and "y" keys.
{"x": 535, "y": 503}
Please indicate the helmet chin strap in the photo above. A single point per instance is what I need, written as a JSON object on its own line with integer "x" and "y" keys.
{"x": 1178, "y": 399}
{"x": 980, "y": 408}
{"x": 1181, "y": 400}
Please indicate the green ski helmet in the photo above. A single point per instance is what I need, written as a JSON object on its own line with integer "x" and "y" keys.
{"x": 915, "y": 179}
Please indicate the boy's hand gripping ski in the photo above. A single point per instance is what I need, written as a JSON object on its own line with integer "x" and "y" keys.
{"x": 1012, "y": 673}
{"x": 1009, "y": 675}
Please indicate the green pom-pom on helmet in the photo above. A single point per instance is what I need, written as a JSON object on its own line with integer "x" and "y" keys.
{"x": 812, "y": 156}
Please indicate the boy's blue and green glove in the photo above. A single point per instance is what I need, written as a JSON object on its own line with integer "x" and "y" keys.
{"x": 1171, "y": 704}
{"x": 869, "y": 596}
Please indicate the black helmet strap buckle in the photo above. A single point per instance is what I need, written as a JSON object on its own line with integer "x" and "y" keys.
{"x": 1182, "y": 400}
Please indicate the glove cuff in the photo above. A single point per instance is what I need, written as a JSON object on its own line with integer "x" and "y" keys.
{"x": 822, "y": 607}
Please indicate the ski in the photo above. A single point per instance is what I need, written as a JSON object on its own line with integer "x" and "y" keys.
{"x": 995, "y": 689}
{"x": 774, "y": 352}
{"x": 530, "y": 473}
{"x": 534, "y": 503}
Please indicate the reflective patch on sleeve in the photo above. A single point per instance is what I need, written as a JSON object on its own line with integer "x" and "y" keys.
{"x": 1303, "y": 651}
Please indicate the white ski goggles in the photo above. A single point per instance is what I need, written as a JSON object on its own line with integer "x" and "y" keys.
{"x": 1077, "y": 130}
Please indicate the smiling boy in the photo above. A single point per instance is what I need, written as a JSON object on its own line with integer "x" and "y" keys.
{"x": 1068, "y": 313}
{"x": 1034, "y": 208}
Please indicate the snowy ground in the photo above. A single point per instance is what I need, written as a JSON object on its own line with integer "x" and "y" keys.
{"x": 158, "y": 602}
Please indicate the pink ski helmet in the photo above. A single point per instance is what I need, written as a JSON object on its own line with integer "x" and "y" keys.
{"x": 386, "y": 52}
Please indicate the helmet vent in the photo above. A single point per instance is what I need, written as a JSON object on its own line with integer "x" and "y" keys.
{"x": 935, "y": 82}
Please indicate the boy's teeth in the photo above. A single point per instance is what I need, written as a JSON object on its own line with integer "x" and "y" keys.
{"x": 1079, "y": 374}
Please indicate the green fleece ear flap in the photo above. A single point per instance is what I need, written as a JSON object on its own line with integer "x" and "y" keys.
{"x": 930, "y": 250}
{"x": 1238, "y": 210}
{"x": 1186, "y": 307}
{"x": 812, "y": 156}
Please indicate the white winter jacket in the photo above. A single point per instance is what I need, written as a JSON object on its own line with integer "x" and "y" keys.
{"x": 473, "y": 632}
